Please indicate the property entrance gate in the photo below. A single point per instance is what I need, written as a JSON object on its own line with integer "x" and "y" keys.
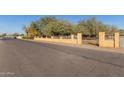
{"x": 121, "y": 41}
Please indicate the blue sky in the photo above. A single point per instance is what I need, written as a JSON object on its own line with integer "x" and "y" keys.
{"x": 12, "y": 24}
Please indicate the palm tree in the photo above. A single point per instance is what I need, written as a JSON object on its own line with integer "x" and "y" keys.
{"x": 26, "y": 29}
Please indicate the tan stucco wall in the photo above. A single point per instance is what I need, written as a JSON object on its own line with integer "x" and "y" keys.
{"x": 61, "y": 40}
{"x": 112, "y": 43}
{"x": 69, "y": 41}
{"x": 116, "y": 40}
{"x": 79, "y": 38}
{"x": 107, "y": 43}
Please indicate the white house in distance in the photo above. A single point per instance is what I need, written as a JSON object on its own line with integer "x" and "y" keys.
{"x": 19, "y": 37}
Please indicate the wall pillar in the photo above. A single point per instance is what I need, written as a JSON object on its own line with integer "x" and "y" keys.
{"x": 72, "y": 36}
{"x": 79, "y": 38}
{"x": 52, "y": 37}
{"x": 101, "y": 38}
{"x": 60, "y": 37}
{"x": 116, "y": 40}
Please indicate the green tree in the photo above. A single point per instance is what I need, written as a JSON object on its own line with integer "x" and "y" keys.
{"x": 58, "y": 28}
{"x": 32, "y": 30}
{"x": 4, "y": 34}
{"x": 50, "y": 25}
{"x": 43, "y": 22}
{"x": 83, "y": 27}
{"x": 92, "y": 27}
{"x": 25, "y": 28}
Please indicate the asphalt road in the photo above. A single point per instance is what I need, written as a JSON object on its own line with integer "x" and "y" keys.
{"x": 26, "y": 58}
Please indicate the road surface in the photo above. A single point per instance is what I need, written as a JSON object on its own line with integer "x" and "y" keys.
{"x": 27, "y": 58}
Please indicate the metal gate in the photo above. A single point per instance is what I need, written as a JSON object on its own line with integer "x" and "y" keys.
{"x": 121, "y": 41}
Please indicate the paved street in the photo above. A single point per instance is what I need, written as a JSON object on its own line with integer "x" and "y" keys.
{"x": 27, "y": 58}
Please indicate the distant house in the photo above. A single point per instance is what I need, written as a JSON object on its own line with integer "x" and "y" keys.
{"x": 19, "y": 37}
